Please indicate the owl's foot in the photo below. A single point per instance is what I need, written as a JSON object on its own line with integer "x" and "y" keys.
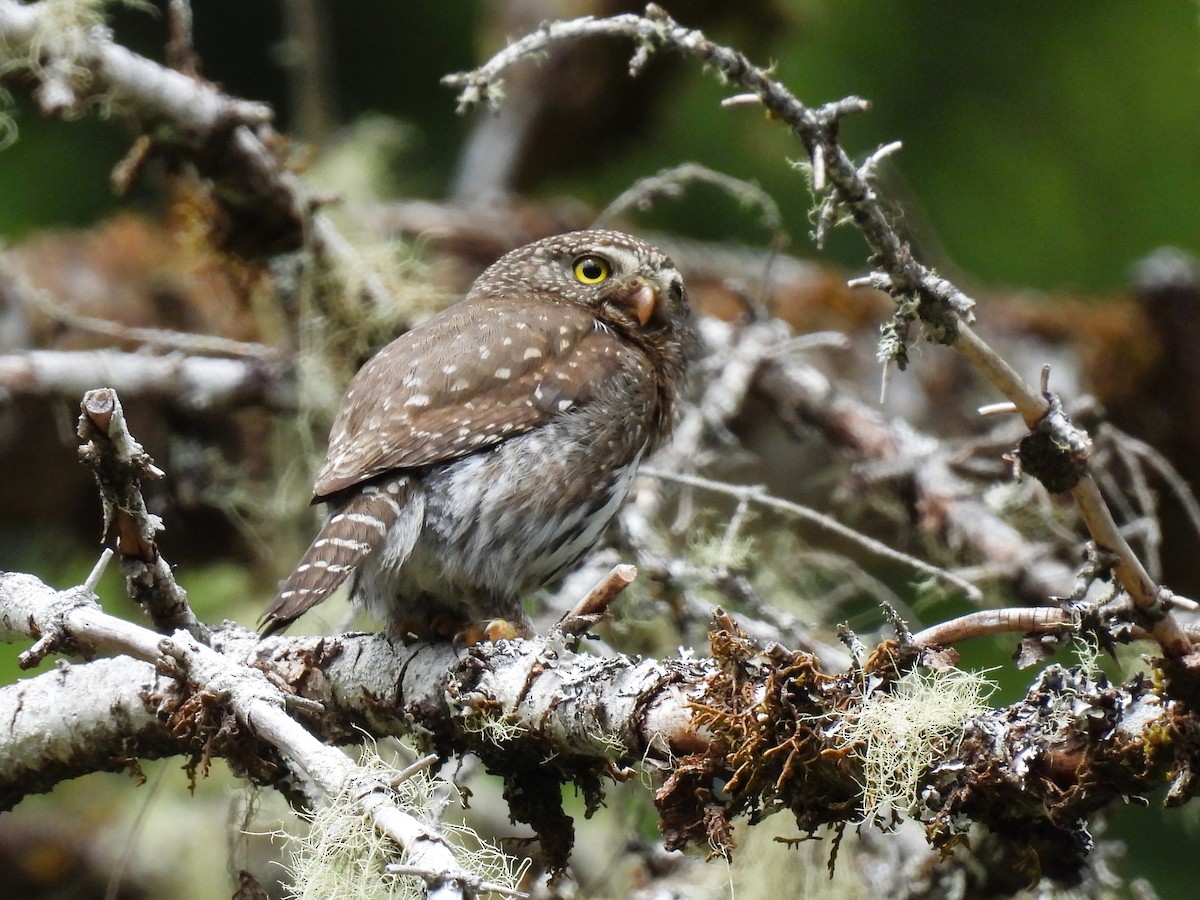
{"x": 462, "y": 631}
{"x": 491, "y": 631}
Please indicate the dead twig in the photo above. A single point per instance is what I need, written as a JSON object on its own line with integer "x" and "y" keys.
{"x": 594, "y": 605}
{"x": 1040, "y": 620}
{"x": 120, "y": 464}
{"x": 198, "y": 384}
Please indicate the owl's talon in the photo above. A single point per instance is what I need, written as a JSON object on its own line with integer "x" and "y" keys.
{"x": 500, "y": 630}
{"x": 470, "y": 635}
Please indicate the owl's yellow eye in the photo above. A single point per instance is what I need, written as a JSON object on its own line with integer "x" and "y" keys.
{"x": 591, "y": 269}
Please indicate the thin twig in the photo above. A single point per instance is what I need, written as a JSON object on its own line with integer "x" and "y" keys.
{"x": 594, "y": 605}
{"x": 670, "y": 183}
{"x": 756, "y": 494}
{"x": 419, "y": 765}
{"x": 1129, "y": 570}
{"x": 1160, "y": 464}
{"x": 93, "y": 579}
{"x": 1134, "y": 502}
{"x": 1041, "y": 620}
{"x": 196, "y": 344}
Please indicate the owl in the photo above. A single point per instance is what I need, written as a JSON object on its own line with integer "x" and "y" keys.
{"x": 482, "y": 454}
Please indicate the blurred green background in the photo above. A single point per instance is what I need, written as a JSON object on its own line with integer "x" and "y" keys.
{"x": 1046, "y": 145}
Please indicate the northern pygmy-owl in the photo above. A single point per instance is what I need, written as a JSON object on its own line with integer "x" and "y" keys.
{"x": 481, "y": 454}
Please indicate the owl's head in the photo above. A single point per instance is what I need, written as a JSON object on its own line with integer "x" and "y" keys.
{"x": 628, "y": 284}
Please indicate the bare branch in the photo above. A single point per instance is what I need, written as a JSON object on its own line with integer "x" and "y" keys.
{"x": 1160, "y": 464}
{"x": 195, "y": 383}
{"x": 594, "y": 605}
{"x": 670, "y": 183}
{"x": 994, "y": 621}
{"x": 194, "y": 344}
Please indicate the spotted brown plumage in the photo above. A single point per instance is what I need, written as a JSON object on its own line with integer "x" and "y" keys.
{"x": 481, "y": 454}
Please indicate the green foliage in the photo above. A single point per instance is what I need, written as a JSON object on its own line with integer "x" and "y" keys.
{"x": 54, "y": 174}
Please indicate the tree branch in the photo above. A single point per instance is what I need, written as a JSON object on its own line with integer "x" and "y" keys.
{"x": 744, "y": 719}
{"x": 198, "y": 384}
{"x": 120, "y": 464}
{"x": 200, "y": 673}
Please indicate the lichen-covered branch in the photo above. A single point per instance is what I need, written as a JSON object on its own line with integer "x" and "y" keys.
{"x": 79, "y": 718}
{"x": 186, "y": 712}
{"x": 588, "y": 707}
{"x": 815, "y": 128}
{"x": 752, "y": 731}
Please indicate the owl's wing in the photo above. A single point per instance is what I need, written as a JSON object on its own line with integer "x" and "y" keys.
{"x": 490, "y": 370}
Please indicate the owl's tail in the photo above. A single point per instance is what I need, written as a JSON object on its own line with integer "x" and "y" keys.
{"x": 357, "y": 527}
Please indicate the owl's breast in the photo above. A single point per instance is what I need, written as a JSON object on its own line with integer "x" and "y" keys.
{"x": 504, "y": 522}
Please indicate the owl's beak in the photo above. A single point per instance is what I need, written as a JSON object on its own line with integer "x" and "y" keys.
{"x": 640, "y": 297}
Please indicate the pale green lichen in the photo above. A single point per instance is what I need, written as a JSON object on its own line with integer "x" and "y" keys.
{"x": 495, "y": 729}
{"x": 900, "y": 734}
{"x": 343, "y": 855}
